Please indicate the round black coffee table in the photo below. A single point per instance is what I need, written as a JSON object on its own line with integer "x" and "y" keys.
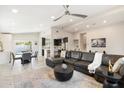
{"x": 62, "y": 74}
{"x": 111, "y": 81}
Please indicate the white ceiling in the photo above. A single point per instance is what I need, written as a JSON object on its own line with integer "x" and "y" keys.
{"x": 29, "y": 17}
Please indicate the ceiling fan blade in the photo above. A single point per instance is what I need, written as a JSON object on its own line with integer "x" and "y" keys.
{"x": 79, "y": 15}
{"x": 58, "y": 18}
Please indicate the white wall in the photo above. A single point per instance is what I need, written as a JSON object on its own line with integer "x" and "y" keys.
{"x": 44, "y": 34}
{"x": 7, "y": 41}
{"x": 114, "y": 35}
{"x": 33, "y": 37}
{"x": 78, "y": 37}
{"x": 52, "y": 34}
{"x": 61, "y": 34}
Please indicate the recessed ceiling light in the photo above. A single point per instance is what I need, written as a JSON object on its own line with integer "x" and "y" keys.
{"x": 15, "y": 11}
{"x": 104, "y": 21}
{"x": 87, "y": 26}
{"x": 70, "y": 20}
{"x": 52, "y": 17}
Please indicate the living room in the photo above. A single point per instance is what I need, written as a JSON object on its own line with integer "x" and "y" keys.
{"x": 57, "y": 42}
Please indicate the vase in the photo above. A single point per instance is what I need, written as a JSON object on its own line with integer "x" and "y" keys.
{"x": 64, "y": 66}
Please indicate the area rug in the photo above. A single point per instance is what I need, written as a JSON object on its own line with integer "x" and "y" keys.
{"x": 44, "y": 78}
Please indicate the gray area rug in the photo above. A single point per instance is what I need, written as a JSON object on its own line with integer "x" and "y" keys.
{"x": 43, "y": 77}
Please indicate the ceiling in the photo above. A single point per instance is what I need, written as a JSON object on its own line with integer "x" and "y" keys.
{"x": 36, "y": 18}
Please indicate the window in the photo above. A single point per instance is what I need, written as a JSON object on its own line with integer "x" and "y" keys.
{"x": 23, "y": 47}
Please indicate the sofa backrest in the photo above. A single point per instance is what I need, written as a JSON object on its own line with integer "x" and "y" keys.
{"x": 105, "y": 60}
{"x": 86, "y": 56}
{"x": 113, "y": 58}
{"x": 75, "y": 55}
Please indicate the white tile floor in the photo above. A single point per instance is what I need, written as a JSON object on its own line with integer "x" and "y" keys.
{"x": 36, "y": 74}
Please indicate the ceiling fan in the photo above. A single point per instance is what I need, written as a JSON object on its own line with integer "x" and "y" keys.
{"x": 67, "y": 12}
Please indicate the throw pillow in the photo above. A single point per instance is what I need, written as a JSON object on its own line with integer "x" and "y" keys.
{"x": 118, "y": 64}
{"x": 63, "y": 53}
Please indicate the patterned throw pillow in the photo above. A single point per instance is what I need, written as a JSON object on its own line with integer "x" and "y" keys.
{"x": 118, "y": 64}
{"x": 63, "y": 53}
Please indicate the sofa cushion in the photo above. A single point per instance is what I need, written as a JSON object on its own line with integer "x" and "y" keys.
{"x": 70, "y": 61}
{"x": 82, "y": 64}
{"x": 105, "y": 60}
{"x": 118, "y": 64}
{"x": 100, "y": 70}
{"x": 52, "y": 62}
{"x": 87, "y": 56}
{"x": 75, "y": 55}
{"x": 56, "y": 60}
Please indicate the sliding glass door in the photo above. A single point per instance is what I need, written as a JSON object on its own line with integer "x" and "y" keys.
{"x": 23, "y": 46}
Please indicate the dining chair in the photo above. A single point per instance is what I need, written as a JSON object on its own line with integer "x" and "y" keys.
{"x": 14, "y": 58}
{"x": 26, "y": 58}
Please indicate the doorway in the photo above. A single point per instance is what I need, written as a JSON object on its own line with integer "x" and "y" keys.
{"x": 83, "y": 42}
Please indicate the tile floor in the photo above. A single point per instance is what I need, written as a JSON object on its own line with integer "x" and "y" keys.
{"x": 37, "y": 75}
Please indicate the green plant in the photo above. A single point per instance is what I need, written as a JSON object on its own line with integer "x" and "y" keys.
{"x": 24, "y": 43}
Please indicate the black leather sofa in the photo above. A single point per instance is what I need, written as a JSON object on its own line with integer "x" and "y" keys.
{"x": 81, "y": 60}
{"x": 99, "y": 71}
{"x": 52, "y": 62}
{"x": 82, "y": 64}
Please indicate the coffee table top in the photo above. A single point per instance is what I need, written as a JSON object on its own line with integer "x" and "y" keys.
{"x": 115, "y": 76}
{"x": 60, "y": 69}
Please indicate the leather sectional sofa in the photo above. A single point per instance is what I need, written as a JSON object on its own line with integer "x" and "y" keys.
{"x": 81, "y": 60}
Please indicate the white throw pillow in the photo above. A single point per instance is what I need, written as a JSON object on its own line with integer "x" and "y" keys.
{"x": 63, "y": 54}
{"x": 118, "y": 64}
